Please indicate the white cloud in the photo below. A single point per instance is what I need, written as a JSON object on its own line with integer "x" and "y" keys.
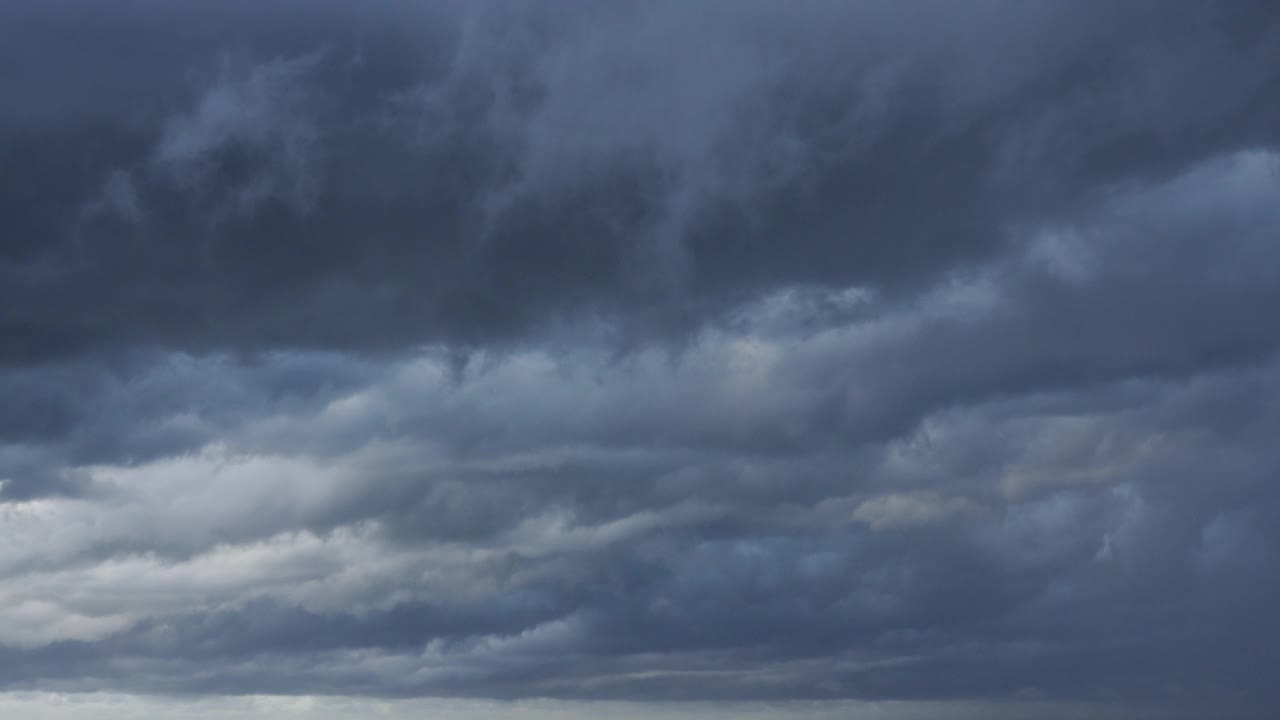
{"x": 912, "y": 509}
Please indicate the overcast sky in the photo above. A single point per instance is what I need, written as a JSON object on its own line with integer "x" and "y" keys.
{"x": 897, "y": 359}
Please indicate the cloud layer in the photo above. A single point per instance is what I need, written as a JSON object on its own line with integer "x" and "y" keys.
{"x": 875, "y": 351}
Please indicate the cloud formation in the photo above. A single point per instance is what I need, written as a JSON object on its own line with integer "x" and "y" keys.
{"x": 846, "y": 352}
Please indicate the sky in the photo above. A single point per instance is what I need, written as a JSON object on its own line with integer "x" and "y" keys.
{"x": 891, "y": 359}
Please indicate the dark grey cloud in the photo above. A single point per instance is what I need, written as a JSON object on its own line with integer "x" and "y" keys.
{"x": 877, "y": 351}
{"x": 475, "y": 172}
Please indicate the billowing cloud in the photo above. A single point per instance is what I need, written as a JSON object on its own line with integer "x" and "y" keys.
{"x": 899, "y": 356}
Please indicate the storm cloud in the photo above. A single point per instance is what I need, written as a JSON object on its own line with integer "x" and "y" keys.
{"x": 718, "y": 357}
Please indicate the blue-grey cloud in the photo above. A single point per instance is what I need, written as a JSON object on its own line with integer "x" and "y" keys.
{"x": 888, "y": 351}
